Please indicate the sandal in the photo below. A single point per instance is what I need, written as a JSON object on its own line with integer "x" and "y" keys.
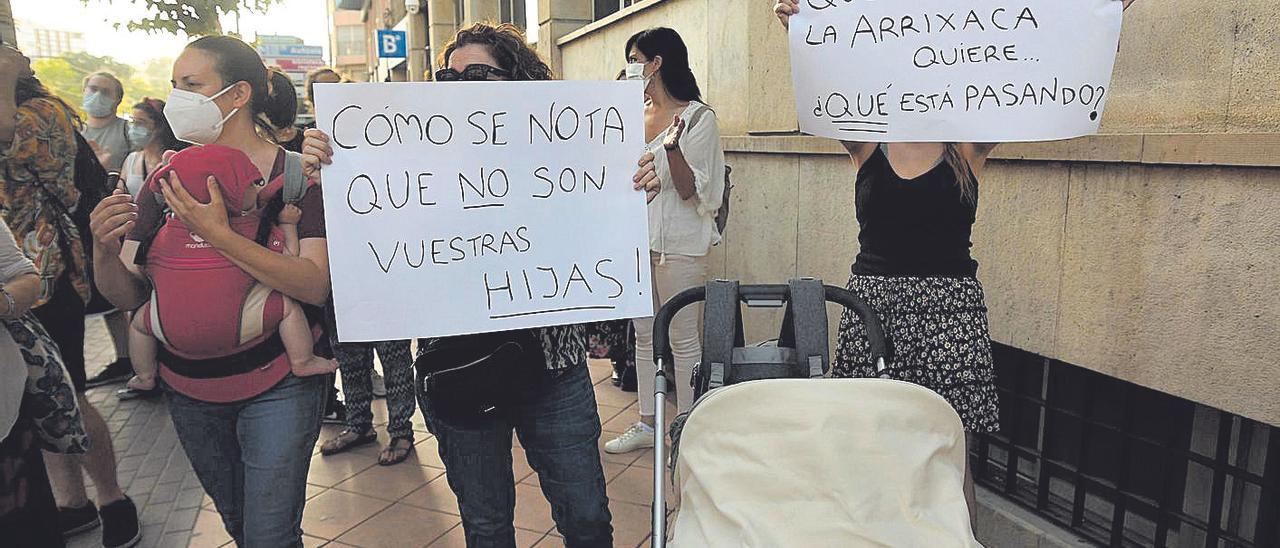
{"x": 348, "y": 439}
{"x": 395, "y": 454}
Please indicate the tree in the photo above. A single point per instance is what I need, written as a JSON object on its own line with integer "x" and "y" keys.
{"x": 191, "y": 17}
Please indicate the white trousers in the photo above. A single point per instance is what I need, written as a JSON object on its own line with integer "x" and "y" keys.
{"x": 678, "y": 274}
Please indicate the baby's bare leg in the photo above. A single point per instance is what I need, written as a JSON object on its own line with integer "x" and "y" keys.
{"x": 142, "y": 350}
{"x": 298, "y": 343}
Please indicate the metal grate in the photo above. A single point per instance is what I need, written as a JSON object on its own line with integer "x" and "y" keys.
{"x": 1124, "y": 465}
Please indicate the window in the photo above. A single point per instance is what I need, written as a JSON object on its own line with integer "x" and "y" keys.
{"x": 351, "y": 40}
{"x": 512, "y": 11}
{"x": 1125, "y": 465}
{"x": 605, "y": 8}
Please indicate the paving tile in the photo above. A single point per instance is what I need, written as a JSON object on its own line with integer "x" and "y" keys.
{"x": 335, "y": 512}
{"x": 334, "y": 469}
{"x": 631, "y": 523}
{"x": 455, "y": 538}
{"x": 390, "y": 482}
{"x": 533, "y": 512}
{"x": 401, "y": 525}
{"x": 309, "y": 541}
{"x": 190, "y": 498}
{"x": 181, "y": 520}
{"x": 435, "y": 495}
{"x": 633, "y": 485}
{"x": 208, "y": 531}
{"x": 165, "y": 492}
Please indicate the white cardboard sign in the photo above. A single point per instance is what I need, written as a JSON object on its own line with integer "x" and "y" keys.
{"x": 953, "y": 70}
{"x": 471, "y": 207}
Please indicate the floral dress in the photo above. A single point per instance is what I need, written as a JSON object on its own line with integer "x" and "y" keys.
{"x": 38, "y": 193}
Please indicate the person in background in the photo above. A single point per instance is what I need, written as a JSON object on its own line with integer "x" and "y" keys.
{"x": 151, "y": 131}
{"x": 284, "y": 111}
{"x": 109, "y": 136}
{"x": 335, "y": 410}
{"x": 250, "y": 428}
{"x": 37, "y": 194}
{"x": 322, "y": 75}
{"x": 684, "y": 141}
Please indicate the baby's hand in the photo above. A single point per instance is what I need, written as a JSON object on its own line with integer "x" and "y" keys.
{"x": 290, "y": 215}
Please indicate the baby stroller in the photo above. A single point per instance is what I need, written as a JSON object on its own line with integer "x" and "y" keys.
{"x": 791, "y": 459}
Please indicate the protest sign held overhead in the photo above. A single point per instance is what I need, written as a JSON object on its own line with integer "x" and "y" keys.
{"x": 949, "y": 70}
{"x": 471, "y": 207}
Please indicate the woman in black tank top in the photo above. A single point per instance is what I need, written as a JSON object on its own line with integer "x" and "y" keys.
{"x": 916, "y": 204}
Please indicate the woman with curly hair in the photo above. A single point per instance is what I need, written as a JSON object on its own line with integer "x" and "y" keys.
{"x": 558, "y": 427}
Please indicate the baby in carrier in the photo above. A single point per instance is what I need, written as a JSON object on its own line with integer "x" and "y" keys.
{"x": 202, "y": 304}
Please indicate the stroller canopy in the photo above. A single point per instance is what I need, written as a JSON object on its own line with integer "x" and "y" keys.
{"x": 830, "y": 462}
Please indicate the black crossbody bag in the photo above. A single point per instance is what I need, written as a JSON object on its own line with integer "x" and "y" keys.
{"x": 472, "y": 378}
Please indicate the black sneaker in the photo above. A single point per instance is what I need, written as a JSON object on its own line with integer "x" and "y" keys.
{"x": 74, "y": 521}
{"x": 335, "y": 413}
{"x": 120, "y": 524}
{"x": 118, "y": 371}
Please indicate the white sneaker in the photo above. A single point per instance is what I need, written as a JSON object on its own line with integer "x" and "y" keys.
{"x": 639, "y": 436}
{"x": 379, "y": 385}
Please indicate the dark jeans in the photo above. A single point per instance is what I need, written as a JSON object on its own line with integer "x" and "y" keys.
{"x": 252, "y": 457}
{"x": 560, "y": 434}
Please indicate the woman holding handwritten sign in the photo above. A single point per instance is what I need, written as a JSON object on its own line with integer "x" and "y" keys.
{"x": 916, "y": 204}
{"x": 537, "y": 379}
{"x": 682, "y": 131}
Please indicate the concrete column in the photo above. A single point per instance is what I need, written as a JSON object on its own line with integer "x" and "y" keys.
{"x": 418, "y": 62}
{"x": 442, "y": 24}
{"x": 556, "y": 18}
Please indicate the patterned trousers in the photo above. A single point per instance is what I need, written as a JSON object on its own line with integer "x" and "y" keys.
{"x": 355, "y": 361}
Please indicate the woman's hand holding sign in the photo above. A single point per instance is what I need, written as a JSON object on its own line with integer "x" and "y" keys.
{"x": 315, "y": 153}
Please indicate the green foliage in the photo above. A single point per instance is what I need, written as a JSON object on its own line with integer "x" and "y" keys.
{"x": 190, "y": 17}
{"x": 65, "y": 77}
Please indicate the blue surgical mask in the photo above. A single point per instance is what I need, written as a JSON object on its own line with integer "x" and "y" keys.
{"x": 139, "y": 135}
{"x": 98, "y": 105}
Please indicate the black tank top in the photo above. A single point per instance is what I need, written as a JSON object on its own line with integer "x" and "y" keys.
{"x": 912, "y": 227}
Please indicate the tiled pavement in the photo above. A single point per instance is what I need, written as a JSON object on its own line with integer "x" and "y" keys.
{"x": 351, "y": 500}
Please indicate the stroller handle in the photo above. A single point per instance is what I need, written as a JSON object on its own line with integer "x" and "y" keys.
{"x": 767, "y": 292}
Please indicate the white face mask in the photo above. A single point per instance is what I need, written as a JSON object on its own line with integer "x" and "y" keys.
{"x": 98, "y": 105}
{"x": 194, "y": 117}
{"x": 635, "y": 71}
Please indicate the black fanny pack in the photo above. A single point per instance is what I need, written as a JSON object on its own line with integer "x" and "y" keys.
{"x": 471, "y": 378}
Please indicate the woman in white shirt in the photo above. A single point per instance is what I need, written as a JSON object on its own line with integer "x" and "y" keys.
{"x": 152, "y": 132}
{"x": 684, "y": 148}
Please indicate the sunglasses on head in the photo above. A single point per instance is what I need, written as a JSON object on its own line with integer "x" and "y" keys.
{"x": 472, "y": 73}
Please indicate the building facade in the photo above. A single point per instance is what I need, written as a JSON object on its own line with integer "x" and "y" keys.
{"x": 38, "y": 42}
{"x": 1131, "y": 277}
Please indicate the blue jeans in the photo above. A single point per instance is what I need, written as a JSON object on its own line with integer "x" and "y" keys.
{"x": 560, "y": 434}
{"x": 252, "y": 457}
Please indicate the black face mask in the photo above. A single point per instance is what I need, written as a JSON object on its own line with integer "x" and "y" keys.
{"x": 473, "y": 73}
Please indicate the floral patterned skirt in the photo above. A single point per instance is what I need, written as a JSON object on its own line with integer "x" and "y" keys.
{"x": 938, "y": 338}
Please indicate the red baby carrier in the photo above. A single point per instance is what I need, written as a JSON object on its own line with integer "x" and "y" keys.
{"x": 217, "y": 326}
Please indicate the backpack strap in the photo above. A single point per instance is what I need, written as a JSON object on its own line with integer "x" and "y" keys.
{"x": 700, "y": 111}
{"x": 804, "y": 325}
{"x": 722, "y": 332}
{"x": 295, "y": 182}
